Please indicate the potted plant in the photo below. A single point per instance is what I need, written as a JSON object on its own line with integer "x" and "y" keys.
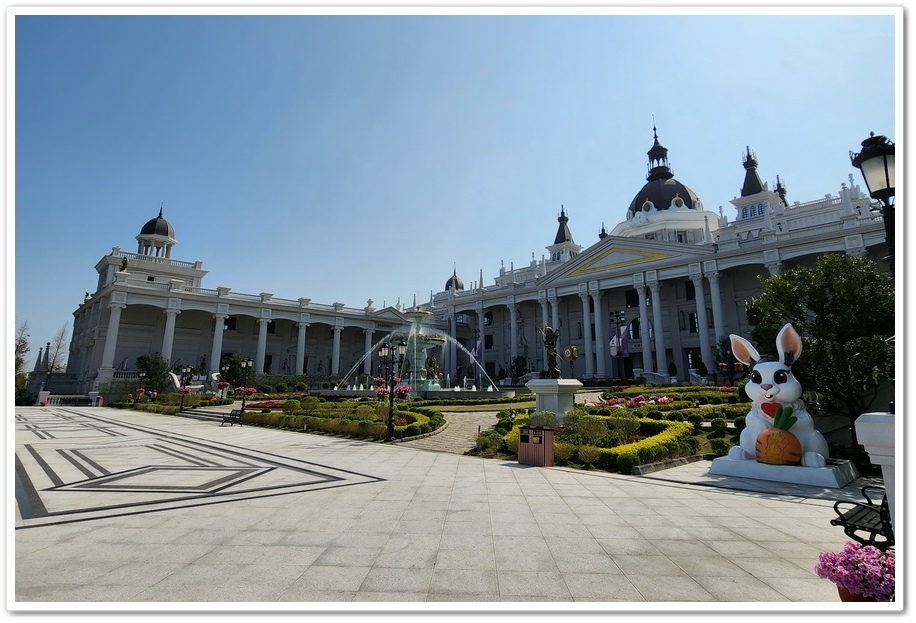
{"x": 860, "y": 572}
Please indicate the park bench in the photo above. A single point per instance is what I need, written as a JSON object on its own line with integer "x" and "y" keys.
{"x": 867, "y": 522}
{"x": 233, "y": 417}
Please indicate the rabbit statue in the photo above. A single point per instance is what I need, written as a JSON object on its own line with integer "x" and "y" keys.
{"x": 772, "y": 385}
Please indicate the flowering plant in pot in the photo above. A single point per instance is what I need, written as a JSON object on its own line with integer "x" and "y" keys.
{"x": 862, "y": 570}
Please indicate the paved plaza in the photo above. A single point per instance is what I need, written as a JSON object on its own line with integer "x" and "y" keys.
{"x": 152, "y": 510}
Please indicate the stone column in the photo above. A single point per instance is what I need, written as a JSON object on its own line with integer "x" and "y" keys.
{"x": 169, "y": 335}
{"x": 545, "y": 322}
{"x": 702, "y": 321}
{"x": 600, "y": 338}
{"x": 718, "y": 320}
{"x": 453, "y": 346}
{"x": 335, "y": 353}
{"x": 217, "y": 351}
{"x": 587, "y": 335}
{"x": 513, "y": 330}
{"x": 367, "y": 362}
{"x": 644, "y": 330}
{"x": 480, "y": 330}
{"x": 111, "y": 336}
{"x": 262, "y": 345}
{"x": 658, "y": 328}
{"x": 300, "y": 347}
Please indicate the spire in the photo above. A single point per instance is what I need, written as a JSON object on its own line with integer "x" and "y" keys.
{"x": 752, "y": 183}
{"x": 781, "y": 191}
{"x": 603, "y": 233}
{"x": 658, "y": 159}
{"x": 563, "y": 233}
{"x": 38, "y": 361}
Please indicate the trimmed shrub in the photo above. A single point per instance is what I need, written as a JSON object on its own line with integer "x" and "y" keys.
{"x": 292, "y": 406}
{"x": 720, "y": 447}
{"x": 740, "y": 423}
{"x": 719, "y": 425}
{"x": 281, "y": 387}
{"x": 626, "y": 462}
{"x": 489, "y": 441}
{"x": 563, "y": 452}
{"x": 588, "y": 455}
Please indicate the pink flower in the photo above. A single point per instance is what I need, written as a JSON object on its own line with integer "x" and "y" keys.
{"x": 861, "y": 569}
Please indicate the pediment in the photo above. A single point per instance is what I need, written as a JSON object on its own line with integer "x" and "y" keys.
{"x": 624, "y": 254}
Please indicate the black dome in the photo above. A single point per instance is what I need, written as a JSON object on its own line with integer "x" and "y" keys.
{"x": 662, "y": 192}
{"x": 158, "y": 227}
{"x": 454, "y": 283}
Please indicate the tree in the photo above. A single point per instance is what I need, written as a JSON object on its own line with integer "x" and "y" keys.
{"x": 726, "y": 363}
{"x": 843, "y": 307}
{"x": 21, "y": 346}
{"x": 21, "y": 384}
{"x": 58, "y": 350}
{"x": 156, "y": 370}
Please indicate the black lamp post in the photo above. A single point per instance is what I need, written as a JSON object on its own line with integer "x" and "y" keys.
{"x": 876, "y": 162}
{"x": 246, "y": 370}
{"x": 185, "y": 374}
{"x": 391, "y": 356}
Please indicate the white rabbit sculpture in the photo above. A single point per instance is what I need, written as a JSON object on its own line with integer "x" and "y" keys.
{"x": 770, "y": 386}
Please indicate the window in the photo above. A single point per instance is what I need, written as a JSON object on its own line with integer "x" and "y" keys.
{"x": 682, "y": 320}
{"x": 229, "y": 323}
{"x": 709, "y": 317}
{"x": 691, "y": 290}
{"x": 488, "y": 319}
{"x": 151, "y": 278}
{"x": 579, "y": 329}
{"x": 488, "y": 340}
{"x": 694, "y": 323}
{"x": 631, "y": 298}
{"x": 271, "y": 328}
{"x": 681, "y": 236}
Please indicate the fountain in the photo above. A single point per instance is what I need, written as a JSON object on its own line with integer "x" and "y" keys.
{"x": 421, "y": 367}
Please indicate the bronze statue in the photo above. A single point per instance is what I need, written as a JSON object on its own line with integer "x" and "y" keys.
{"x": 124, "y": 265}
{"x": 550, "y": 344}
{"x": 431, "y": 368}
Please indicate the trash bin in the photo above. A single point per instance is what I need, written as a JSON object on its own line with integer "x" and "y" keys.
{"x": 535, "y": 446}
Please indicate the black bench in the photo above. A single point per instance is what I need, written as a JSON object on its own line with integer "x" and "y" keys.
{"x": 233, "y": 417}
{"x": 867, "y": 522}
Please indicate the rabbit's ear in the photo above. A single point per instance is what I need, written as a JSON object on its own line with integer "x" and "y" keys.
{"x": 789, "y": 345}
{"x": 744, "y": 351}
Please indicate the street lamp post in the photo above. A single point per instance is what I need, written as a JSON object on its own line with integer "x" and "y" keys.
{"x": 391, "y": 356}
{"x": 185, "y": 374}
{"x": 246, "y": 370}
{"x": 876, "y": 162}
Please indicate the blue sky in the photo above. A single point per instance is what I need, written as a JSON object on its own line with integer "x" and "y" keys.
{"x": 346, "y": 158}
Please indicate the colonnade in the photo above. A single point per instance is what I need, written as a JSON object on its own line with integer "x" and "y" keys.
{"x": 649, "y": 290}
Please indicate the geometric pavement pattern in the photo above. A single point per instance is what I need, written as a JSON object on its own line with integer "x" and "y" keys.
{"x": 75, "y": 467}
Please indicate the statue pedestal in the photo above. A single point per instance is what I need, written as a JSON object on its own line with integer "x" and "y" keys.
{"x": 556, "y": 395}
{"x": 877, "y": 432}
{"x": 837, "y": 473}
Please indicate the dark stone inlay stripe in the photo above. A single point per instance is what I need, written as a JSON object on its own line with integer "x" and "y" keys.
{"x": 179, "y": 455}
{"x": 89, "y": 461}
{"x": 88, "y": 473}
{"x": 30, "y": 504}
{"x": 55, "y": 479}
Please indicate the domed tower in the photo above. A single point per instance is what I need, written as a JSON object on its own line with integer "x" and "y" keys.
{"x": 664, "y": 209}
{"x": 454, "y": 282}
{"x": 662, "y": 191}
{"x": 156, "y": 237}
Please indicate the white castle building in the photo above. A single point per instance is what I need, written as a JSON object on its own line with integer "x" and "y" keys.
{"x": 664, "y": 285}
